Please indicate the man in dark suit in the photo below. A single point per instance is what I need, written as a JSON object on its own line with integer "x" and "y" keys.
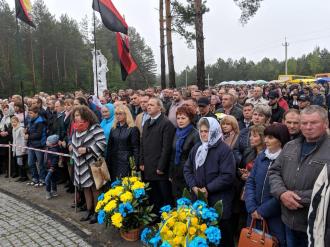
{"x": 246, "y": 122}
{"x": 157, "y": 137}
{"x": 229, "y": 107}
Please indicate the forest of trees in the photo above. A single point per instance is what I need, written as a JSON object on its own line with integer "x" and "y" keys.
{"x": 56, "y": 56}
{"x": 267, "y": 69}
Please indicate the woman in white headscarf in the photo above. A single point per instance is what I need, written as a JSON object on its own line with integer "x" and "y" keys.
{"x": 211, "y": 168}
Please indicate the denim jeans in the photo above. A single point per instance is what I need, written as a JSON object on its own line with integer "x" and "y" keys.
{"x": 295, "y": 238}
{"x": 33, "y": 157}
{"x": 51, "y": 181}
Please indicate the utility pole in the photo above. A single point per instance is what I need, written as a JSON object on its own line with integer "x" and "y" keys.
{"x": 286, "y": 44}
{"x": 208, "y": 80}
{"x": 187, "y": 77}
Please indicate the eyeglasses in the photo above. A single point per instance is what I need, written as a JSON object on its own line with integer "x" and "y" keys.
{"x": 204, "y": 131}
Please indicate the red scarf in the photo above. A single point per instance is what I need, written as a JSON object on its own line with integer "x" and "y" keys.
{"x": 80, "y": 126}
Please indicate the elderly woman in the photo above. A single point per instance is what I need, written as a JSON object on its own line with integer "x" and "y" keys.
{"x": 88, "y": 143}
{"x": 260, "y": 204}
{"x": 230, "y": 129}
{"x": 5, "y": 138}
{"x": 124, "y": 143}
{"x": 185, "y": 138}
{"x": 108, "y": 117}
{"x": 210, "y": 168}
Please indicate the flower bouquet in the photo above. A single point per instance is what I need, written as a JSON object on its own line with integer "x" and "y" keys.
{"x": 125, "y": 206}
{"x": 189, "y": 225}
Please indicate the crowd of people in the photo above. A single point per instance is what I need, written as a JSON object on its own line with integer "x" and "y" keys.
{"x": 259, "y": 149}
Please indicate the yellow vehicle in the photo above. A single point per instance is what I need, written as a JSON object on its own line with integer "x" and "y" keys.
{"x": 297, "y": 79}
{"x": 322, "y": 75}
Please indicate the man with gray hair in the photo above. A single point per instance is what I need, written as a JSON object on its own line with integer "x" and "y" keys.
{"x": 293, "y": 174}
{"x": 257, "y": 98}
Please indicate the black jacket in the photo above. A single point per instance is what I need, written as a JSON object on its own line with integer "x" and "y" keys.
{"x": 124, "y": 142}
{"x": 176, "y": 170}
{"x": 57, "y": 127}
{"x": 235, "y": 112}
{"x": 277, "y": 114}
{"x": 217, "y": 175}
{"x": 156, "y": 148}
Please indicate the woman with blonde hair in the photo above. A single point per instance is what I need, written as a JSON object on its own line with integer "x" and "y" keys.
{"x": 124, "y": 143}
{"x": 230, "y": 129}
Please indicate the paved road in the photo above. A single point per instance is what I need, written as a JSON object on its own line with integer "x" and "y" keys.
{"x": 22, "y": 225}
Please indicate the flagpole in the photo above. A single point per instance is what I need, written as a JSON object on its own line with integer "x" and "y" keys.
{"x": 96, "y": 76}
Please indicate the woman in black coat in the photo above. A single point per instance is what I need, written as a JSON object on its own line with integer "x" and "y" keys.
{"x": 5, "y": 138}
{"x": 210, "y": 168}
{"x": 185, "y": 138}
{"x": 124, "y": 143}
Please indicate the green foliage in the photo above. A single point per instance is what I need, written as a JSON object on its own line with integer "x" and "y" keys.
{"x": 61, "y": 53}
{"x": 249, "y": 9}
{"x": 267, "y": 69}
{"x": 218, "y": 206}
{"x": 184, "y": 19}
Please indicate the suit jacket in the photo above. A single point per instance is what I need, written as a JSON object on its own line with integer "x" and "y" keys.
{"x": 156, "y": 147}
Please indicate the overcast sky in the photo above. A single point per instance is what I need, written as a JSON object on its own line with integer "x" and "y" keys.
{"x": 305, "y": 23}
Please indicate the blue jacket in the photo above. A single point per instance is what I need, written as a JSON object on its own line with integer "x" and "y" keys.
{"x": 258, "y": 197}
{"x": 52, "y": 159}
{"x": 37, "y": 131}
{"x": 217, "y": 175}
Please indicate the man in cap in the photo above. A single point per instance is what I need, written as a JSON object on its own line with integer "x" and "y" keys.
{"x": 204, "y": 108}
{"x": 277, "y": 111}
{"x": 303, "y": 101}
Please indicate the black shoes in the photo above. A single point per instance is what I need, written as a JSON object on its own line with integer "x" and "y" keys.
{"x": 87, "y": 217}
{"x": 93, "y": 219}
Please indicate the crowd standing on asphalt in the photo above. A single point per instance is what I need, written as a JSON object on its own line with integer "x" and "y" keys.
{"x": 259, "y": 149}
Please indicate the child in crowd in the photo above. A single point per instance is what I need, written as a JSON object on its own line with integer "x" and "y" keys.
{"x": 19, "y": 153}
{"x": 52, "y": 165}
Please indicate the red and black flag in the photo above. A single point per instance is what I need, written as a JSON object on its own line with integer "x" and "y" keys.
{"x": 110, "y": 16}
{"x": 23, "y": 11}
{"x": 127, "y": 63}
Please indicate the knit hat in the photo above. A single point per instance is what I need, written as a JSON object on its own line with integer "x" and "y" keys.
{"x": 52, "y": 140}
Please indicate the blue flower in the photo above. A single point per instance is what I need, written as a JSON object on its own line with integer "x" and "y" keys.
{"x": 198, "y": 242}
{"x": 198, "y": 204}
{"x": 101, "y": 217}
{"x": 183, "y": 202}
{"x": 138, "y": 193}
{"x": 144, "y": 235}
{"x": 165, "y": 244}
{"x": 116, "y": 183}
{"x": 101, "y": 197}
{"x": 155, "y": 240}
{"x": 213, "y": 234}
{"x": 165, "y": 209}
{"x": 209, "y": 214}
{"x": 125, "y": 208}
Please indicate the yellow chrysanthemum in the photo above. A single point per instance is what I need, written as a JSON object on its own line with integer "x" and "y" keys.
{"x": 178, "y": 240}
{"x": 203, "y": 227}
{"x": 110, "y": 206}
{"x": 194, "y": 221}
{"x": 133, "y": 179}
{"x": 138, "y": 185}
{"x": 171, "y": 222}
{"x": 192, "y": 230}
{"x": 182, "y": 216}
{"x": 169, "y": 235}
{"x": 126, "y": 197}
{"x": 117, "y": 191}
{"x": 164, "y": 216}
{"x": 125, "y": 181}
{"x": 117, "y": 220}
{"x": 179, "y": 229}
{"x": 98, "y": 206}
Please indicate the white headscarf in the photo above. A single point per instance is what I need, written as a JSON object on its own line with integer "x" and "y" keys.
{"x": 215, "y": 133}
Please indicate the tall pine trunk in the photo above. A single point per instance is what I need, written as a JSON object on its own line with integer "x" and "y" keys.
{"x": 170, "y": 59}
{"x": 200, "y": 45}
{"x": 34, "y": 86}
{"x": 162, "y": 45}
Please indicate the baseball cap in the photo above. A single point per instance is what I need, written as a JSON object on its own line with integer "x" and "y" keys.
{"x": 203, "y": 101}
{"x": 304, "y": 97}
{"x": 273, "y": 95}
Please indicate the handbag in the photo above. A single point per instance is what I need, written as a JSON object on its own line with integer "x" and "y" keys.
{"x": 252, "y": 237}
{"x": 100, "y": 172}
